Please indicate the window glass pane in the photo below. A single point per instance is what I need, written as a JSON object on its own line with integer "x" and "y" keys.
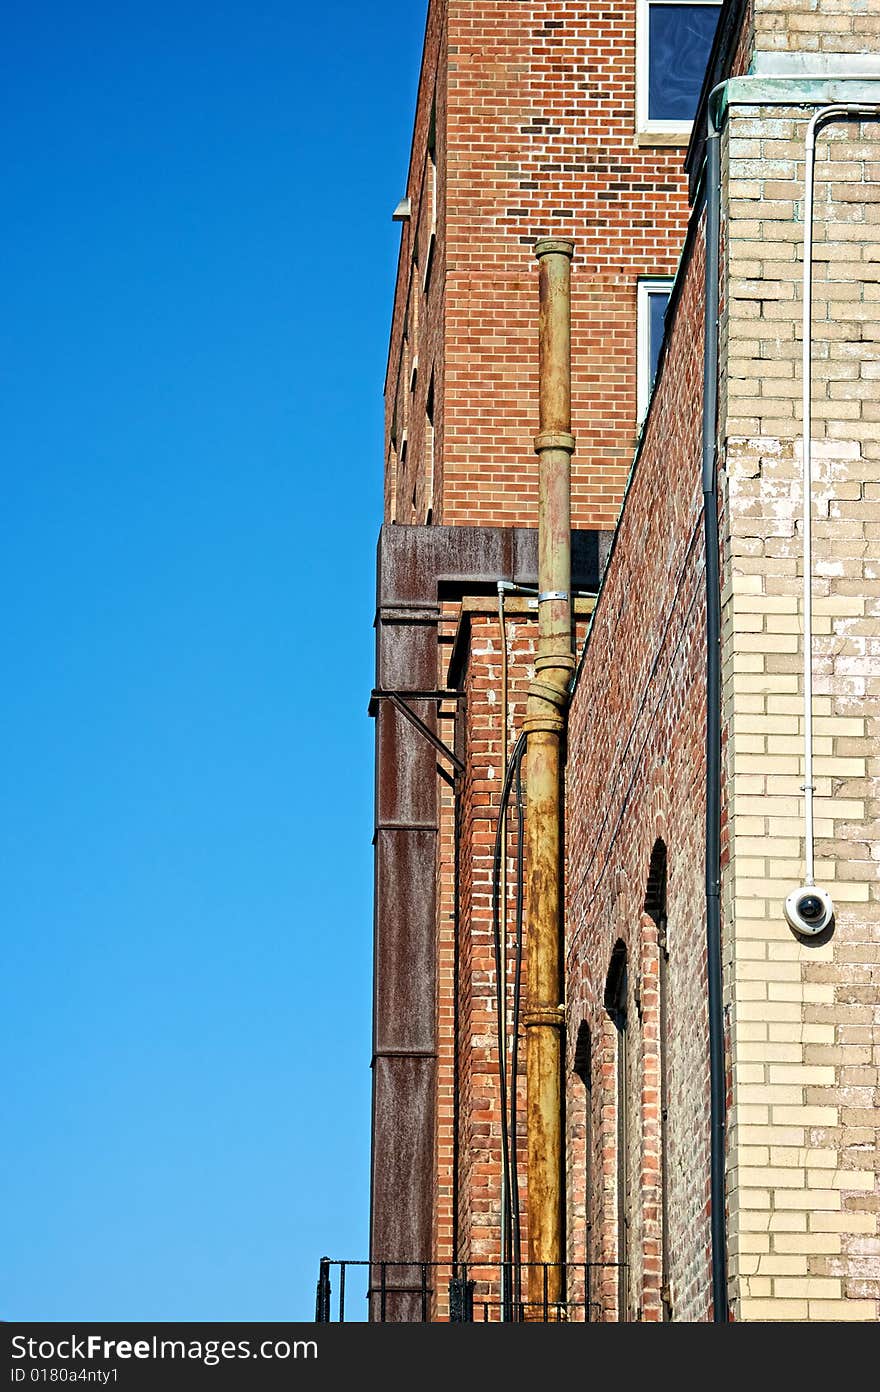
{"x": 657, "y": 302}
{"x": 679, "y": 40}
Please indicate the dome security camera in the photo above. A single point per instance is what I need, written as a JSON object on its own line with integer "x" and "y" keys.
{"x": 809, "y": 910}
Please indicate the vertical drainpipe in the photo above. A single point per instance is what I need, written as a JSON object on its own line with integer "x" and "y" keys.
{"x": 715, "y": 1002}
{"x": 544, "y": 1016}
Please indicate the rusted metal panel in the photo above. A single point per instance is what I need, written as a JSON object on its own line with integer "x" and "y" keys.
{"x": 417, "y": 563}
{"x": 403, "y": 1097}
{"x": 405, "y": 793}
{"x": 406, "y": 651}
{"x": 416, "y": 567}
{"x": 404, "y": 968}
{"x": 404, "y": 982}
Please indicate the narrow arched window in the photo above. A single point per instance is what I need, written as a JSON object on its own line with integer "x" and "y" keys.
{"x": 616, "y": 997}
{"x": 655, "y": 907}
{"x": 583, "y": 1068}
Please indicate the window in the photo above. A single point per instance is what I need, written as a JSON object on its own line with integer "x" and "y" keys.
{"x": 583, "y": 1067}
{"x": 673, "y": 43}
{"x": 653, "y": 297}
{"x": 429, "y": 454}
{"x": 430, "y": 195}
{"x": 392, "y": 480}
{"x": 655, "y": 908}
{"x": 616, "y": 1002}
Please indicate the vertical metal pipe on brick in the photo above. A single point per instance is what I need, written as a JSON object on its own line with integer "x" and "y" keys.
{"x": 544, "y": 1016}
{"x": 835, "y": 111}
{"x": 715, "y": 983}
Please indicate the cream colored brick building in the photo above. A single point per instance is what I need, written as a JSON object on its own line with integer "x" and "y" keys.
{"x": 803, "y": 1159}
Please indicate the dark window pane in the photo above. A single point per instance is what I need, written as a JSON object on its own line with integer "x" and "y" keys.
{"x": 679, "y": 40}
{"x": 657, "y": 302}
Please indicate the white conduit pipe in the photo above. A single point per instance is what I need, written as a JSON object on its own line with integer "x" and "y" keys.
{"x": 839, "y": 110}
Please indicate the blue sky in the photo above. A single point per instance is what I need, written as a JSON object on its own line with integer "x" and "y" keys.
{"x": 194, "y": 308}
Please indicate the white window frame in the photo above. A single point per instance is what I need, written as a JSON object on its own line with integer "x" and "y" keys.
{"x": 670, "y": 132}
{"x": 647, "y": 286}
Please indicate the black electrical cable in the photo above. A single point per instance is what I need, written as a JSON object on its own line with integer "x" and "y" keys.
{"x": 514, "y": 1052}
{"x": 500, "y": 1003}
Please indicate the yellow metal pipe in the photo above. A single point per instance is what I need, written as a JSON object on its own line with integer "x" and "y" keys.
{"x": 502, "y": 1042}
{"x": 546, "y": 712}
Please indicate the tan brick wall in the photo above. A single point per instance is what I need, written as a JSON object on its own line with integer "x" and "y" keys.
{"x": 803, "y": 1015}
{"x": 816, "y": 26}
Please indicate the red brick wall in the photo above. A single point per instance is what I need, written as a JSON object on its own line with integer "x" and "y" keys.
{"x": 637, "y": 734}
{"x": 535, "y": 136}
{"x": 745, "y": 46}
{"x": 417, "y": 327}
{"x": 451, "y": 731}
{"x": 480, "y": 1175}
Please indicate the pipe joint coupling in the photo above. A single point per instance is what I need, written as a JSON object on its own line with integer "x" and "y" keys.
{"x": 553, "y": 696}
{"x": 537, "y": 1016}
{"x": 562, "y": 661}
{"x": 557, "y": 440}
{"x": 546, "y": 723}
{"x": 548, "y": 246}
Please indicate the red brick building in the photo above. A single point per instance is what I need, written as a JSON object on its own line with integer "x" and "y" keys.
{"x": 555, "y": 119}
{"x": 525, "y": 127}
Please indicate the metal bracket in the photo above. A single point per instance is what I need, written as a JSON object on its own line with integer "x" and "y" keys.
{"x": 547, "y": 595}
{"x": 396, "y": 699}
{"x": 436, "y": 695}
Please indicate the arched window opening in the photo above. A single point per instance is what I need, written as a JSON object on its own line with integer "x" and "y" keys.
{"x": 616, "y": 997}
{"x": 655, "y": 907}
{"x": 583, "y": 1068}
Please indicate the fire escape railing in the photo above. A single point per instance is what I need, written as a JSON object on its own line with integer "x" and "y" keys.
{"x": 416, "y": 1292}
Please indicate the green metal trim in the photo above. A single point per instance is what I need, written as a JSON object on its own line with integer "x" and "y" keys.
{"x": 796, "y": 91}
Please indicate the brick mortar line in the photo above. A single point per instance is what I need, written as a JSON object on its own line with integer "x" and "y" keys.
{"x": 638, "y": 713}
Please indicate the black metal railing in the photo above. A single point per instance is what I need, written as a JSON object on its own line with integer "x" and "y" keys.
{"x": 417, "y": 1292}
